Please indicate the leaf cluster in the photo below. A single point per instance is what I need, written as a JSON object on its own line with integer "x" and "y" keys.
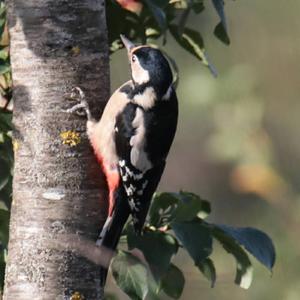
{"x": 5, "y": 71}
{"x": 157, "y": 19}
{"x": 177, "y": 220}
{"x": 6, "y": 151}
{"x": 6, "y": 166}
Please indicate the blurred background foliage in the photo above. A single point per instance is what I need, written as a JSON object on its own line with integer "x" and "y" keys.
{"x": 236, "y": 143}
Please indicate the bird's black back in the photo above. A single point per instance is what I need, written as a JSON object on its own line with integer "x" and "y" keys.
{"x": 160, "y": 124}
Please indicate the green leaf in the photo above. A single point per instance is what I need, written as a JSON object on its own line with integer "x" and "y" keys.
{"x": 4, "y": 173}
{"x": 4, "y": 225}
{"x": 121, "y": 21}
{"x": 191, "y": 206}
{"x": 4, "y": 67}
{"x": 2, "y": 9}
{"x": 255, "y": 241}
{"x": 161, "y": 3}
{"x": 2, "y": 17}
{"x": 158, "y": 14}
{"x": 221, "y": 34}
{"x": 244, "y": 270}
{"x": 6, "y": 149}
{"x": 198, "y": 6}
{"x": 192, "y": 41}
{"x": 2, "y": 25}
{"x": 173, "y": 282}
{"x": 219, "y": 7}
{"x": 183, "y": 20}
{"x": 162, "y": 209}
{"x": 208, "y": 269}
{"x": 180, "y": 4}
{"x": 195, "y": 237}
{"x": 130, "y": 275}
{"x": 110, "y": 296}
{"x": 179, "y": 207}
{"x": 158, "y": 248}
{"x": 5, "y": 121}
{"x": 2, "y": 266}
{"x": 152, "y": 34}
{"x": 3, "y": 54}
{"x": 6, "y": 195}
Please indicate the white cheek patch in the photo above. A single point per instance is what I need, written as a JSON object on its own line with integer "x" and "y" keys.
{"x": 139, "y": 74}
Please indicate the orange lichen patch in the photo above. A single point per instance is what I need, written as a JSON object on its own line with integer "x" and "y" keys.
{"x": 70, "y": 138}
{"x": 134, "y": 6}
{"x": 75, "y": 50}
{"x": 259, "y": 179}
{"x": 16, "y": 145}
{"x": 77, "y": 296}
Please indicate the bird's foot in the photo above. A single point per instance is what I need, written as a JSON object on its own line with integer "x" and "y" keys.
{"x": 81, "y": 108}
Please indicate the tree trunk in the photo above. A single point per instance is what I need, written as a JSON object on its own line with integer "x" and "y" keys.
{"x": 58, "y": 189}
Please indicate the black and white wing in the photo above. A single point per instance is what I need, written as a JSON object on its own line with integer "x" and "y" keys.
{"x": 143, "y": 139}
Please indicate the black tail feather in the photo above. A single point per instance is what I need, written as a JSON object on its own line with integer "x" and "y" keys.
{"x": 112, "y": 236}
{"x": 122, "y": 212}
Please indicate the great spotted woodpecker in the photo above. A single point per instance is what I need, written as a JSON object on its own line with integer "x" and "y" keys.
{"x": 133, "y": 138}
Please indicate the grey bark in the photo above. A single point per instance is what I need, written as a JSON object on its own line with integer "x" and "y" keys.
{"x": 58, "y": 190}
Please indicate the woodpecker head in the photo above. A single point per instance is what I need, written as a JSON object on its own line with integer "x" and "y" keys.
{"x": 148, "y": 66}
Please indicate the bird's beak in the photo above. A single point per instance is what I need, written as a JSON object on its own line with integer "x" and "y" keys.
{"x": 128, "y": 44}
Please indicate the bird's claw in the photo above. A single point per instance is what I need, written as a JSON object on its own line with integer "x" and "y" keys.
{"x": 81, "y": 108}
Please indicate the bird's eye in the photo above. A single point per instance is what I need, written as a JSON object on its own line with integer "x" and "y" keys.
{"x": 133, "y": 58}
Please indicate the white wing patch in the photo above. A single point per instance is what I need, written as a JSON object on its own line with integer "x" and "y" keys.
{"x": 138, "y": 156}
{"x": 146, "y": 99}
